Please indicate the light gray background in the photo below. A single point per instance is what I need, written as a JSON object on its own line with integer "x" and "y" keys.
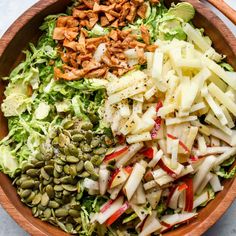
{"x": 9, "y": 11}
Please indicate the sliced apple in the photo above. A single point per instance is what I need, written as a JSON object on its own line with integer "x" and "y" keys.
{"x": 148, "y": 152}
{"x": 119, "y": 176}
{"x": 115, "y": 206}
{"x": 151, "y": 225}
{"x": 189, "y": 195}
{"x": 117, "y": 214}
{"x": 168, "y": 221}
{"x": 134, "y": 180}
{"x": 116, "y": 154}
{"x": 104, "y": 175}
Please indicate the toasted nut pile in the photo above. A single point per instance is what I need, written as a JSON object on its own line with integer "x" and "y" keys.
{"x": 52, "y": 183}
{"x": 77, "y": 49}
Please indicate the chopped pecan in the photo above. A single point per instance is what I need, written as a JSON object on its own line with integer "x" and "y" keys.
{"x": 141, "y": 56}
{"x": 91, "y": 65}
{"x": 89, "y": 3}
{"x": 70, "y": 44}
{"x": 145, "y": 34}
{"x": 132, "y": 14}
{"x": 103, "y": 8}
{"x": 151, "y": 48}
{"x": 59, "y": 33}
{"x": 115, "y": 24}
{"x": 114, "y": 35}
{"x": 109, "y": 16}
{"x": 97, "y": 73}
{"x": 137, "y": 2}
{"x": 104, "y": 21}
{"x": 93, "y": 19}
{"x": 124, "y": 11}
{"x": 142, "y": 10}
{"x": 114, "y": 13}
{"x": 79, "y": 13}
{"x": 71, "y": 33}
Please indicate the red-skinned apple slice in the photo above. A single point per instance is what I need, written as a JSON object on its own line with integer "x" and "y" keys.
{"x": 168, "y": 221}
{"x": 151, "y": 225}
{"x": 189, "y": 195}
{"x": 180, "y": 142}
{"x": 117, "y": 214}
{"x": 115, "y": 206}
{"x": 163, "y": 166}
{"x": 159, "y": 105}
{"x": 175, "y": 194}
{"x": 116, "y": 154}
{"x": 119, "y": 176}
{"x": 106, "y": 205}
{"x": 156, "y": 127}
{"x": 148, "y": 152}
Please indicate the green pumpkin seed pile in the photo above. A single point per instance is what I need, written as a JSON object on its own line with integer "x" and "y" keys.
{"x": 52, "y": 183}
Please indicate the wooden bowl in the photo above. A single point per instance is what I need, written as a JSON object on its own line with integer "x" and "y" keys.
{"x": 25, "y": 30}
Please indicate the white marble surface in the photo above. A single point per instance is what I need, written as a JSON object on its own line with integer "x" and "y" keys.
{"x": 9, "y": 11}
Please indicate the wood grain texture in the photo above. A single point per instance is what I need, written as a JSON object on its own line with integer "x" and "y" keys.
{"x": 225, "y": 9}
{"x": 25, "y": 30}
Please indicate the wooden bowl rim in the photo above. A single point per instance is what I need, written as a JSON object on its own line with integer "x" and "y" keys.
{"x": 32, "y": 229}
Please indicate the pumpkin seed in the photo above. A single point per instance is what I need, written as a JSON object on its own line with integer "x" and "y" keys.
{"x": 84, "y": 174}
{"x": 73, "y": 149}
{"x": 59, "y": 161}
{"x": 50, "y": 191}
{"x": 63, "y": 140}
{"x": 72, "y": 159}
{"x": 36, "y": 185}
{"x": 80, "y": 166}
{"x": 77, "y": 137}
{"x": 61, "y": 212}
{"x": 41, "y": 208}
{"x": 47, "y": 213}
{"x": 31, "y": 197}
{"x": 97, "y": 160}
{"x": 74, "y": 213}
{"x": 89, "y": 167}
{"x": 69, "y": 187}
{"x": 49, "y": 169}
{"x": 59, "y": 168}
{"x": 67, "y": 169}
{"x": 88, "y": 136}
{"x": 66, "y": 151}
{"x": 44, "y": 174}
{"x": 46, "y": 182}
{"x": 87, "y": 126}
{"x": 45, "y": 199}
{"x": 58, "y": 188}
{"x": 56, "y": 174}
{"x": 37, "y": 199}
{"x": 25, "y": 193}
{"x": 94, "y": 143}
{"x": 61, "y": 225}
{"x": 69, "y": 227}
{"x": 53, "y": 204}
{"x": 27, "y": 184}
{"x": 68, "y": 124}
{"x": 27, "y": 167}
{"x": 85, "y": 147}
{"x": 99, "y": 151}
{"x": 56, "y": 181}
{"x": 65, "y": 193}
{"x": 35, "y": 211}
{"x": 73, "y": 170}
{"x": 39, "y": 164}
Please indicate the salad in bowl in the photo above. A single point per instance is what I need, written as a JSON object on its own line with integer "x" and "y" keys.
{"x": 121, "y": 119}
